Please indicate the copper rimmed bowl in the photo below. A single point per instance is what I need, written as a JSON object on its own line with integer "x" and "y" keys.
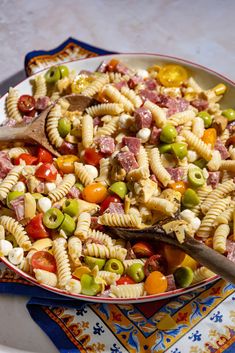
{"x": 205, "y": 77}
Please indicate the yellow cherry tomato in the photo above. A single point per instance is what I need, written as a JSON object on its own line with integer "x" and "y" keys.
{"x": 80, "y": 83}
{"x": 210, "y": 136}
{"x": 189, "y": 262}
{"x": 95, "y": 193}
{"x": 179, "y": 186}
{"x": 172, "y": 75}
{"x": 155, "y": 283}
{"x": 66, "y": 163}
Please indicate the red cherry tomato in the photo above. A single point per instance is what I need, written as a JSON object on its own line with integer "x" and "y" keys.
{"x": 47, "y": 172}
{"x": 155, "y": 263}
{"x": 36, "y": 229}
{"x": 125, "y": 280}
{"x": 27, "y": 158}
{"x": 26, "y": 104}
{"x": 107, "y": 201}
{"x": 43, "y": 260}
{"x": 68, "y": 148}
{"x": 44, "y": 156}
{"x": 92, "y": 157}
{"x": 143, "y": 249}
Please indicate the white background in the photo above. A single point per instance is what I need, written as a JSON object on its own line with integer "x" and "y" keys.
{"x": 197, "y": 30}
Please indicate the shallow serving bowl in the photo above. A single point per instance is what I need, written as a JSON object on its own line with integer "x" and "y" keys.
{"x": 205, "y": 77}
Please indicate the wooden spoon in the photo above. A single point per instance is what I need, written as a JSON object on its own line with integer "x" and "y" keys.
{"x": 206, "y": 256}
{"x": 35, "y": 132}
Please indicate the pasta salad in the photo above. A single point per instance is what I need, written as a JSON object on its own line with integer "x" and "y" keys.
{"x": 153, "y": 145}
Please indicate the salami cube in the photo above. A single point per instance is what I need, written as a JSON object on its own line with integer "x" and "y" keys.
{"x": 200, "y": 104}
{"x": 147, "y": 94}
{"x": 170, "y": 282}
{"x": 122, "y": 69}
{"x": 143, "y": 118}
{"x": 120, "y": 84}
{"x": 42, "y": 103}
{"x": 213, "y": 179}
{"x": 219, "y": 146}
{"x": 115, "y": 207}
{"x": 134, "y": 81}
{"x": 133, "y": 143}
{"x": 176, "y": 173}
{"x": 150, "y": 84}
{"x": 127, "y": 161}
{"x": 5, "y": 165}
{"x": 155, "y": 135}
{"x": 106, "y": 145}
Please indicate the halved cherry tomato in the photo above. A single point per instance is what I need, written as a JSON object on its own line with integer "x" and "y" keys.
{"x": 179, "y": 186}
{"x": 210, "y": 136}
{"x": 36, "y": 229}
{"x": 26, "y": 103}
{"x": 155, "y": 283}
{"x": 155, "y": 263}
{"x": 44, "y": 156}
{"x": 27, "y": 158}
{"x": 112, "y": 64}
{"x": 125, "y": 279}
{"x": 91, "y": 156}
{"x": 143, "y": 249}
{"x": 173, "y": 255}
{"x": 66, "y": 163}
{"x": 95, "y": 193}
{"x": 47, "y": 172}
{"x": 172, "y": 75}
{"x": 43, "y": 260}
{"x": 68, "y": 148}
{"x": 107, "y": 201}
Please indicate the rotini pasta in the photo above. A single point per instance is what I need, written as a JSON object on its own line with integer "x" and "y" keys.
{"x": 104, "y": 252}
{"x": 119, "y": 220}
{"x": 201, "y": 274}
{"x": 96, "y": 86}
{"x": 158, "y": 113}
{"x": 9, "y": 181}
{"x": 127, "y": 291}
{"x": 45, "y": 277}
{"x": 75, "y": 250}
{"x": 82, "y": 174}
{"x": 156, "y": 165}
{"x": 87, "y": 130}
{"x": 83, "y": 225}
{"x": 11, "y": 104}
{"x": 198, "y": 145}
{"x": 63, "y": 188}
{"x": 62, "y": 263}
{"x": 52, "y": 126}
{"x": 17, "y": 230}
{"x": 40, "y": 87}
{"x": 105, "y": 109}
{"x": 220, "y": 237}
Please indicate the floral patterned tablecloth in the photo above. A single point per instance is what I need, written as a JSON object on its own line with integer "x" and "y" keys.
{"x": 202, "y": 321}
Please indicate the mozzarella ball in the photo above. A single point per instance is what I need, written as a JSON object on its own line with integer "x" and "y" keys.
{"x": 5, "y": 247}
{"x": 16, "y": 256}
{"x": 93, "y": 172}
{"x": 192, "y": 156}
{"x": 195, "y": 223}
{"x": 187, "y": 215}
{"x": 49, "y": 187}
{"x": 144, "y": 134}
{"x": 20, "y": 186}
{"x": 125, "y": 121}
{"x": 142, "y": 73}
{"x": 44, "y": 204}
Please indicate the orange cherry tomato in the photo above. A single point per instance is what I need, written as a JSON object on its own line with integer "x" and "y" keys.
{"x": 179, "y": 186}
{"x": 210, "y": 136}
{"x": 66, "y": 163}
{"x": 143, "y": 249}
{"x": 95, "y": 193}
{"x": 155, "y": 283}
{"x": 172, "y": 75}
{"x": 173, "y": 255}
{"x": 112, "y": 64}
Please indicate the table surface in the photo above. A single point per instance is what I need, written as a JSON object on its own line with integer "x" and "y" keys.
{"x": 195, "y": 30}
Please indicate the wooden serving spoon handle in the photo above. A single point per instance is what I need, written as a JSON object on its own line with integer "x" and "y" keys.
{"x": 12, "y": 133}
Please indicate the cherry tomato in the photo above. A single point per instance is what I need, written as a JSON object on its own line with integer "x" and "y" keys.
{"x": 91, "y": 156}
{"x": 47, "y": 172}
{"x": 173, "y": 255}
{"x": 125, "y": 279}
{"x": 27, "y": 158}
{"x": 179, "y": 186}
{"x": 230, "y": 141}
{"x": 43, "y": 260}
{"x": 155, "y": 263}
{"x": 107, "y": 201}
{"x": 66, "y": 163}
{"x": 112, "y": 64}
{"x": 143, "y": 249}
{"x": 172, "y": 75}
{"x": 68, "y": 148}
{"x": 26, "y": 104}
{"x": 95, "y": 193}
{"x": 44, "y": 156}
{"x": 155, "y": 283}
{"x": 36, "y": 229}
{"x": 210, "y": 136}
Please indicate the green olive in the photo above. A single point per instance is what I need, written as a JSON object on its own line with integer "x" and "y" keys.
{"x": 64, "y": 127}
{"x": 179, "y": 149}
{"x": 53, "y": 218}
{"x": 183, "y": 276}
{"x": 114, "y": 265}
{"x": 229, "y": 114}
{"x": 52, "y": 75}
{"x": 168, "y": 134}
{"x": 91, "y": 262}
{"x": 119, "y": 188}
{"x": 200, "y": 163}
{"x": 206, "y": 117}
{"x": 88, "y": 285}
{"x": 12, "y": 195}
{"x": 190, "y": 198}
{"x": 165, "y": 148}
{"x": 71, "y": 207}
{"x": 64, "y": 71}
{"x": 79, "y": 186}
{"x": 68, "y": 225}
{"x": 195, "y": 177}
{"x": 136, "y": 272}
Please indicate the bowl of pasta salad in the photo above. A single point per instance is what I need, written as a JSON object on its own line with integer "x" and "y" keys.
{"x": 157, "y": 141}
